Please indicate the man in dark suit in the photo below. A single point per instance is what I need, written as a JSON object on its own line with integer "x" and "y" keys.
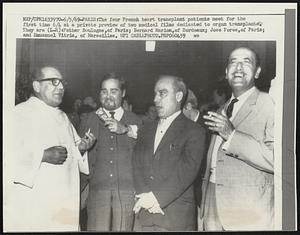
{"x": 238, "y": 185}
{"x": 166, "y": 160}
{"x": 111, "y": 190}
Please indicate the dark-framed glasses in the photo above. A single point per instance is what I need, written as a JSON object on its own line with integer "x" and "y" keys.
{"x": 55, "y": 81}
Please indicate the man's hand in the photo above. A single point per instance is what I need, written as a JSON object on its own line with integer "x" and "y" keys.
{"x": 55, "y": 155}
{"x": 115, "y": 126}
{"x": 147, "y": 201}
{"x": 219, "y": 123}
{"x": 86, "y": 142}
{"x": 156, "y": 209}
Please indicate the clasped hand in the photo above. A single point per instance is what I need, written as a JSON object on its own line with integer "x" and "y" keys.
{"x": 115, "y": 126}
{"x": 55, "y": 155}
{"x": 219, "y": 123}
{"x": 58, "y": 154}
{"x": 149, "y": 202}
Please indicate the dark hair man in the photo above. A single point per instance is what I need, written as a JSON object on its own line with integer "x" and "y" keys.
{"x": 111, "y": 191}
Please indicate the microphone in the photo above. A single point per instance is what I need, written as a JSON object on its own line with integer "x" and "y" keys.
{"x": 101, "y": 114}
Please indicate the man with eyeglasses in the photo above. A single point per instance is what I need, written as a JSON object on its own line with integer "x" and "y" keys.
{"x": 111, "y": 190}
{"x": 166, "y": 160}
{"x": 46, "y": 159}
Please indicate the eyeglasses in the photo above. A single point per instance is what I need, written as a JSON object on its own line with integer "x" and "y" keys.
{"x": 55, "y": 81}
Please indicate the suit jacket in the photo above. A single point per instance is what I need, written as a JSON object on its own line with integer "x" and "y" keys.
{"x": 170, "y": 172}
{"x": 245, "y": 172}
{"x": 201, "y": 172}
{"x": 110, "y": 159}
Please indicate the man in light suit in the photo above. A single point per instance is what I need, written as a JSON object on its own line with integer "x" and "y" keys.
{"x": 238, "y": 185}
{"x": 166, "y": 160}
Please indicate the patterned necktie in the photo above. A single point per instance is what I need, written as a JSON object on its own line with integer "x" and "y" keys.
{"x": 230, "y": 107}
{"x": 112, "y": 114}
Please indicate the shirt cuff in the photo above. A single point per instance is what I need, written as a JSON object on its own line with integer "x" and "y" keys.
{"x": 133, "y": 129}
{"x": 226, "y": 144}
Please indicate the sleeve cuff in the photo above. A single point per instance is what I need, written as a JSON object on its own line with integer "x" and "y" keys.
{"x": 132, "y": 131}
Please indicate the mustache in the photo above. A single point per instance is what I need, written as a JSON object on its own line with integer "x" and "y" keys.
{"x": 109, "y": 99}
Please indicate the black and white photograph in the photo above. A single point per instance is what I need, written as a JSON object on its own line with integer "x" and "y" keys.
{"x": 130, "y": 124}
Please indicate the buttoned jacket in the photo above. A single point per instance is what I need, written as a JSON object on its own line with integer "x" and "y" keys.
{"x": 110, "y": 159}
{"x": 170, "y": 172}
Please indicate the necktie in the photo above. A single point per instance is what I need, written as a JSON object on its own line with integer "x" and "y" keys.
{"x": 112, "y": 114}
{"x": 230, "y": 107}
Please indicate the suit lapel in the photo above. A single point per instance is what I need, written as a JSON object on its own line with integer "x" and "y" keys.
{"x": 246, "y": 108}
{"x": 173, "y": 131}
{"x": 151, "y": 137}
{"x": 244, "y": 111}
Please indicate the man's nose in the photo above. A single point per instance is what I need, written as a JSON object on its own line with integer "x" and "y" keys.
{"x": 239, "y": 66}
{"x": 60, "y": 86}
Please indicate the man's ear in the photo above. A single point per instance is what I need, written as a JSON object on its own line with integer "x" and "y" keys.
{"x": 36, "y": 86}
{"x": 179, "y": 96}
{"x": 258, "y": 70}
{"x": 226, "y": 73}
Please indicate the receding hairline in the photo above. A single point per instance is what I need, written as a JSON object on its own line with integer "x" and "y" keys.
{"x": 254, "y": 53}
{"x": 174, "y": 79}
{"x": 115, "y": 79}
{"x": 178, "y": 85}
{"x": 41, "y": 71}
{"x": 115, "y": 76}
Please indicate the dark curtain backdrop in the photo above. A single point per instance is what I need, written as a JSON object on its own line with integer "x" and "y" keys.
{"x": 84, "y": 63}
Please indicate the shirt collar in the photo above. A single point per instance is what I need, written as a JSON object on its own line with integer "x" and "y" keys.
{"x": 244, "y": 96}
{"x": 43, "y": 105}
{"x": 118, "y": 113}
{"x": 171, "y": 118}
{"x": 197, "y": 116}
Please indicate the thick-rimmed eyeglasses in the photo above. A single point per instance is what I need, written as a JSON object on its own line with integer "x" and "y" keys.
{"x": 55, "y": 81}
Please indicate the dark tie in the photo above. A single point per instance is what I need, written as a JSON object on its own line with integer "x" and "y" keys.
{"x": 112, "y": 114}
{"x": 230, "y": 107}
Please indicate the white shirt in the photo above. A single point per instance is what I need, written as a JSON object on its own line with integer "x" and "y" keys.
{"x": 43, "y": 196}
{"x": 118, "y": 113}
{"x": 162, "y": 127}
{"x": 219, "y": 140}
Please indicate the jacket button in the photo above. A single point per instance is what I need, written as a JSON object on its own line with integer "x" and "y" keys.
{"x": 151, "y": 177}
{"x": 111, "y": 149}
{"x": 111, "y": 175}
